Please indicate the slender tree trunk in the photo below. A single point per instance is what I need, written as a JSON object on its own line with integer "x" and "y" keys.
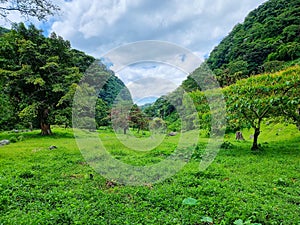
{"x": 255, "y": 138}
{"x": 125, "y": 129}
{"x": 45, "y": 126}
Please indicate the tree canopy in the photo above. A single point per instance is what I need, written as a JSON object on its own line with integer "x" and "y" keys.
{"x": 252, "y": 100}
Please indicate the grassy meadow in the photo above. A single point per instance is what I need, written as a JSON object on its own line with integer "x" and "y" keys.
{"x": 42, "y": 186}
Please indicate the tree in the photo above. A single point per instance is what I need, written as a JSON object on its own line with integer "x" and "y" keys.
{"x": 101, "y": 113}
{"x": 39, "y": 75}
{"x": 6, "y": 111}
{"x": 270, "y": 95}
{"x": 120, "y": 115}
{"x": 39, "y": 9}
{"x": 137, "y": 118}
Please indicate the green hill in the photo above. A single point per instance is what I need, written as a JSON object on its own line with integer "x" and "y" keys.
{"x": 268, "y": 38}
{"x": 267, "y": 41}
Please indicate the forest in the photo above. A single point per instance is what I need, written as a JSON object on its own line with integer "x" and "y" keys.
{"x": 51, "y": 174}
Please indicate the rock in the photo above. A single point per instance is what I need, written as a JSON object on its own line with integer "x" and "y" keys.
{"x": 52, "y": 147}
{"x": 4, "y": 142}
{"x": 172, "y": 134}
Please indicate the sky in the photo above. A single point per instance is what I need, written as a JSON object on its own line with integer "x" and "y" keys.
{"x": 98, "y": 27}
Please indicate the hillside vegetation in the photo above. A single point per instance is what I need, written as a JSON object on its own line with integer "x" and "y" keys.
{"x": 266, "y": 42}
{"x": 53, "y": 179}
{"x": 38, "y": 78}
{"x": 267, "y": 39}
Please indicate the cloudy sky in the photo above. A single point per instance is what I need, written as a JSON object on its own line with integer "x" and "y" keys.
{"x": 99, "y": 26}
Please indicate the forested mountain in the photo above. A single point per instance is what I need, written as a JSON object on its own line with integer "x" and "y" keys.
{"x": 268, "y": 38}
{"x": 38, "y": 78}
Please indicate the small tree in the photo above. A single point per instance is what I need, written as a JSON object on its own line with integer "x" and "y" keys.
{"x": 259, "y": 97}
{"x": 137, "y": 118}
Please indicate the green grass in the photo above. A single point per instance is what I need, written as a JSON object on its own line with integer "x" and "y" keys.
{"x": 42, "y": 186}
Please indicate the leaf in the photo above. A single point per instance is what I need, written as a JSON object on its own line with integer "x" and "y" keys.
{"x": 239, "y": 222}
{"x": 207, "y": 219}
{"x": 189, "y": 201}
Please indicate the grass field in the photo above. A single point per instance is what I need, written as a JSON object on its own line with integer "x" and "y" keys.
{"x": 42, "y": 186}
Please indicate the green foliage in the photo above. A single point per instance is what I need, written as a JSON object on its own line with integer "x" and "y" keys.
{"x": 226, "y": 145}
{"x": 189, "y": 201}
{"x": 241, "y": 222}
{"x": 162, "y": 108}
{"x": 6, "y": 111}
{"x": 102, "y": 113}
{"x": 111, "y": 89}
{"x": 251, "y": 100}
{"x": 3, "y": 30}
{"x": 39, "y": 76}
{"x": 137, "y": 118}
{"x": 286, "y": 52}
{"x": 207, "y": 219}
{"x": 13, "y": 139}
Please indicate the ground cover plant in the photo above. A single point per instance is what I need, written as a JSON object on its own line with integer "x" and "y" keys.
{"x": 43, "y": 186}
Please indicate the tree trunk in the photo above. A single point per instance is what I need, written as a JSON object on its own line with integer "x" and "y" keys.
{"x": 45, "y": 126}
{"x": 255, "y": 138}
{"x": 45, "y": 129}
{"x": 125, "y": 129}
{"x": 239, "y": 136}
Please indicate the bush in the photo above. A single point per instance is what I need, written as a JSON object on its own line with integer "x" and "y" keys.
{"x": 226, "y": 145}
{"x": 13, "y": 140}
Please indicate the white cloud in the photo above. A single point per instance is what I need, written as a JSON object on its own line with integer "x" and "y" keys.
{"x": 96, "y": 27}
{"x": 141, "y": 71}
{"x": 150, "y": 80}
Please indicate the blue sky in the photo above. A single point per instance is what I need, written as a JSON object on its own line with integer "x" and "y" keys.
{"x": 98, "y": 26}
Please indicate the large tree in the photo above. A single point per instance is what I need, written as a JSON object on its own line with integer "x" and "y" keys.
{"x": 251, "y": 100}
{"x": 39, "y": 9}
{"x": 39, "y": 75}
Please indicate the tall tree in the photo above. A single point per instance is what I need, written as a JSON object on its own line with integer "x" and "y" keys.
{"x": 39, "y": 75}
